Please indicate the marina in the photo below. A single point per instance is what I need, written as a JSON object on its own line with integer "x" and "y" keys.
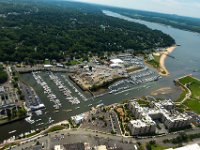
{"x": 141, "y": 77}
{"x": 47, "y": 90}
{"x": 44, "y": 84}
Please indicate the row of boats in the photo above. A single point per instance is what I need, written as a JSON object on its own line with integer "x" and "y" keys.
{"x": 143, "y": 76}
{"x": 74, "y": 88}
{"x": 47, "y": 90}
{"x": 62, "y": 88}
{"x": 38, "y": 121}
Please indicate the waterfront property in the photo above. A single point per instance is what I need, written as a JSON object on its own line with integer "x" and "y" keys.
{"x": 135, "y": 119}
{"x": 10, "y": 105}
{"x": 33, "y": 102}
{"x": 162, "y": 111}
{"x": 119, "y": 73}
{"x": 93, "y": 76}
{"x": 146, "y": 126}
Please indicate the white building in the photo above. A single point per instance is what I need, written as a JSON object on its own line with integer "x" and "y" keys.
{"x": 48, "y": 66}
{"x": 116, "y": 61}
{"x": 78, "y": 118}
{"x": 141, "y": 127}
{"x": 171, "y": 119}
{"x": 187, "y": 147}
{"x": 100, "y": 147}
{"x": 115, "y": 65}
{"x": 58, "y": 147}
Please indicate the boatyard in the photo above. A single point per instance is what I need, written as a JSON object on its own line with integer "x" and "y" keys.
{"x": 119, "y": 73}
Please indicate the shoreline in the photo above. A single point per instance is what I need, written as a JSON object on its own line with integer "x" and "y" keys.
{"x": 162, "y": 69}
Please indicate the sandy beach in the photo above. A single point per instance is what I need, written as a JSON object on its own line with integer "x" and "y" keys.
{"x": 163, "y": 69}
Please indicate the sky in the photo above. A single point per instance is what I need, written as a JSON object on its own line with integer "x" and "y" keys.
{"x": 189, "y": 8}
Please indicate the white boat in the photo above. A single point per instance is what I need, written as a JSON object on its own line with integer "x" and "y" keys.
{"x": 28, "y": 119}
{"x": 100, "y": 105}
{"x": 12, "y": 131}
{"x": 40, "y": 124}
{"x": 99, "y": 101}
{"x": 77, "y": 108}
{"x": 50, "y": 121}
{"x": 38, "y": 120}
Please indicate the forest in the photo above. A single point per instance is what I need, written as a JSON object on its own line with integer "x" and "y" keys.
{"x": 35, "y": 30}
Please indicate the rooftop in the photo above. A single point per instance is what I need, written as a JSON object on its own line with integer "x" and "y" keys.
{"x": 116, "y": 61}
{"x": 187, "y": 147}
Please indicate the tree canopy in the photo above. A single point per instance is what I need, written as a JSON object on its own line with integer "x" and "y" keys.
{"x": 3, "y": 75}
{"x": 35, "y": 30}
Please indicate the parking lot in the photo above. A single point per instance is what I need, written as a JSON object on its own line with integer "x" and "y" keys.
{"x": 102, "y": 120}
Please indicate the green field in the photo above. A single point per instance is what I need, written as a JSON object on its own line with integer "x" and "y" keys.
{"x": 158, "y": 147}
{"x": 193, "y": 104}
{"x": 194, "y": 85}
{"x": 143, "y": 103}
{"x": 55, "y": 128}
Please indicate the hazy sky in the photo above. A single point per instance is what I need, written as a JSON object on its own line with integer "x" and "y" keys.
{"x": 180, "y": 7}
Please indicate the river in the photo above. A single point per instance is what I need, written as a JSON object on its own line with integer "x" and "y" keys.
{"x": 187, "y": 60}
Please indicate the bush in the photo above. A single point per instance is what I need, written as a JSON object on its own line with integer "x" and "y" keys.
{"x": 56, "y": 128}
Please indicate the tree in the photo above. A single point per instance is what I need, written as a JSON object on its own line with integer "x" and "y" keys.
{"x": 3, "y": 75}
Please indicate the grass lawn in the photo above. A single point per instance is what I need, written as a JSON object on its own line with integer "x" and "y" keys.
{"x": 158, "y": 147}
{"x": 56, "y": 128}
{"x": 7, "y": 146}
{"x": 181, "y": 96}
{"x": 47, "y": 62}
{"x": 154, "y": 63}
{"x": 143, "y": 103}
{"x": 193, "y": 104}
{"x": 156, "y": 58}
{"x": 74, "y": 62}
{"x": 194, "y": 85}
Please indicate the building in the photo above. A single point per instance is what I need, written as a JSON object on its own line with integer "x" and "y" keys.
{"x": 48, "y": 66}
{"x": 187, "y": 147}
{"x": 2, "y": 89}
{"x": 115, "y": 65}
{"x": 58, "y": 147}
{"x": 175, "y": 120}
{"x": 116, "y": 61}
{"x": 162, "y": 111}
{"x": 8, "y": 101}
{"x": 167, "y": 104}
{"x": 100, "y": 147}
{"x": 33, "y": 102}
{"x": 78, "y": 118}
{"x": 142, "y": 127}
{"x": 150, "y": 57}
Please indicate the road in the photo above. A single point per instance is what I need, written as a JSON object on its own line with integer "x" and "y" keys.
{"x": 83, "y": 135}
{"x": 80, "y": 135}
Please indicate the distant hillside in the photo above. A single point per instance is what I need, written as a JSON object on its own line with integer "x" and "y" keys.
{"x": 181, "y": 22}
{"x": 35, "y": 30}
